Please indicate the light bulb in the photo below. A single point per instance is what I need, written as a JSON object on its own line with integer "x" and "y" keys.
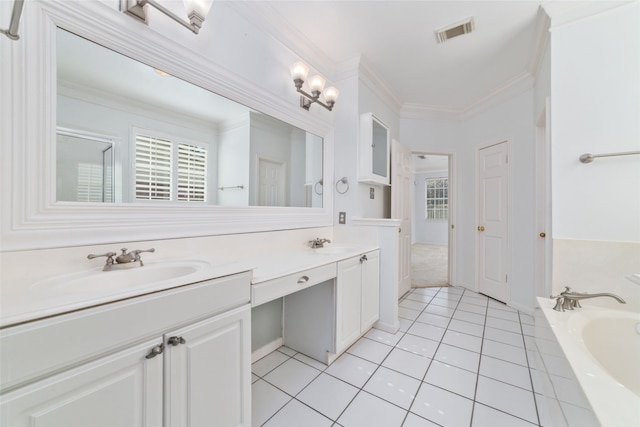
{"x": 316, "y": 84}
{"x": 331, "y": 94}
{"x": 299, "y": 71}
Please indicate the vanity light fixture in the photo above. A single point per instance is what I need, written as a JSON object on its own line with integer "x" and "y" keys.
{"x": 197, "y": 10}
{"x": 299, "y": 72}
{"x": 12, "y": 31}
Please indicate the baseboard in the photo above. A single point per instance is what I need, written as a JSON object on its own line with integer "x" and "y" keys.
{"x": 522, "y": 308}
{"x": 266, "y": 349}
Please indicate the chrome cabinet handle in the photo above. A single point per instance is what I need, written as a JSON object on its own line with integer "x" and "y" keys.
{"x": 174, "y": 341}
{"x": 363, "y": 258}
{"x": 155, "y": 351}
{"x": 303, "y": 279}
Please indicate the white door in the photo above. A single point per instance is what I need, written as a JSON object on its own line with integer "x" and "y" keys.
{"x": 543, "y": 207}
{"x": 271, "y": 183}
{"x": 401, "y": 206}
{"x": 493, "y": 188}
{"x": 370, "y": 290}
{"x": 207, "y": 372}
{"x": 122, "y": 389}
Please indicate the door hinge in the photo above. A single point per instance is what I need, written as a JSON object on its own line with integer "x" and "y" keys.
{"x": 506, "y": 157}
{"x": 506, "y": 278}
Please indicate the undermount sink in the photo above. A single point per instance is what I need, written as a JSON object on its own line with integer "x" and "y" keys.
{"x": 334, "y": 250}
{"x": 97, "y": 280}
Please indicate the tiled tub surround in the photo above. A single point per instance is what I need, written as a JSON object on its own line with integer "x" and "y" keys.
{"x": 459, "y": 359}
{"x": 580, "y": 389}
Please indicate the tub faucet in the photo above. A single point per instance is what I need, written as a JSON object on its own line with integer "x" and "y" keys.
{"x": 569, "y": 300}
{"x": 318, "y": 243}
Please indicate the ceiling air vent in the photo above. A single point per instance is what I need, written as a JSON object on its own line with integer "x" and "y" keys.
{"x": 455, "y": 30}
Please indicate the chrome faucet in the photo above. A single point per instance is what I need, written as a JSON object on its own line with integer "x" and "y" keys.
{"x": 123, "y": 259}
{"x": 318, "y": 243}
{"x": 569, "y": 300}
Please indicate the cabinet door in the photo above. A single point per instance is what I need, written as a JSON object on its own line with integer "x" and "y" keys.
{"x": 122, "y": 389}
{"x": 373, "y": 163}
{"x": 348, "y": 296}
{"x": 370, "y": 291}
{"x": 208, "y": 372}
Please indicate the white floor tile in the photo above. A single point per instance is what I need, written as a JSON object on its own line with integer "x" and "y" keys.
{"x": 503, "y": 314}
{"x": 268, "y": 363}
{"x": 499, "y": 305}
{"x": 503, "y": 336}
{"x": 371, "y": 350}
{"x": 459, "y": 357}
{"x": 292, "y": 376}
{"x": 484, "y": 416}
{"x": 439, "y": 310}
{"x": 266, "y": 400}
{"x": 367, "y": 410}
{"x": 408, "y": 363}
{"x": 506, "y": 325}
{"x": 466, "y": 341}
{"x": 433, "y": 319}
{"x": 310, "y": 361}
{"x": 451, "y": 290}
{"x": 442, "y": 407}
{"x": 393, "y": 387}
{"x": 413, "y": 420}
{"x": 404, "y": 324}
{"x": 525, "y": 318}
{"x": 507, "y": 398}
{"x": 288, "y": 351}
{"x": 254, "y": 378}
{"x": 425, "y": 330}
{"x": 506, "y": 352}
{"x": 469, "y": 317}
{"x": 445, "y": 302}
{"x": 352, "y": 369}
{"x": 451, "y": 378}
{"x": 419, "y": 297}
{"x": 475, "y": 299}
{"x": 408, "y": 313}
{"x": 414, "y": 305}
{"x": 295, "y": 414}
{"x": 384, "y": 337}
{"x": 505, "y": 371}
{"x": 466, "y": 327}
{"x": 529, "y": 330}
{"x": 472, "y": 308}
{"x": 328, "y": 395}
{"x": 418, "y": 345}
{"x": 425, "y": 291}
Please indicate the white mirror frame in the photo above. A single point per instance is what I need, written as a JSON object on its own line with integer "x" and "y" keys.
{"x": 32, "y": 219}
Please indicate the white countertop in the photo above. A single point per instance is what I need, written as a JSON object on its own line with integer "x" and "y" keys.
{"x": 23, "y": 301}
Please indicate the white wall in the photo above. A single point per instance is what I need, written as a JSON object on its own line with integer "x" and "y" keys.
{"x": 433, "y": 232}
{"x": 595, "y": 95}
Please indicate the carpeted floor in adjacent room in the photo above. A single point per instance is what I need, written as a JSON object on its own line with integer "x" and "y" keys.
{"x": 429, "y": 265}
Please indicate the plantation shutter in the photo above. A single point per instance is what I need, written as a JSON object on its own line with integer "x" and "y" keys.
{"x": 192, "y": 173}
{"x": 154, "y": 159}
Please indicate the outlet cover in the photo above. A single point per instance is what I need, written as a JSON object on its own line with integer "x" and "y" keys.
{"x": 372, "y": 193}
{"x": 342, "y": 218}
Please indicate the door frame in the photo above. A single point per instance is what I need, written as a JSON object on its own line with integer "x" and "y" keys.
{"x": 451, "y": 221}
{"x": 543, "y": 249}
{"x": 509, "y": 215}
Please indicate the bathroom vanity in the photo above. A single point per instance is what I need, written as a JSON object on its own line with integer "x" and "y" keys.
{"x": 173, "y": 357}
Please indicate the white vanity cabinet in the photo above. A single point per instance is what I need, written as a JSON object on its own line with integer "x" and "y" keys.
{"x": 373, "y": 158}
{"x": 174, "y": 358}
{"x": 357, "y": 298}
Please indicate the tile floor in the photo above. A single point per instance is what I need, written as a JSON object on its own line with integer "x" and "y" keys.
{"x": 459, "y": 359}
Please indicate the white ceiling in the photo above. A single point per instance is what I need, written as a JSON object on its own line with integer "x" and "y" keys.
{"x": 397, "y": 40}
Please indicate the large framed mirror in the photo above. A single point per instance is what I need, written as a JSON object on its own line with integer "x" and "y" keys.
{"x": 75, "y": 172}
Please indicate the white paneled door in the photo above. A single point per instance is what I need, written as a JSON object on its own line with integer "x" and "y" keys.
{"x": 401, "y": 207}
{"x": 493, "y": 224}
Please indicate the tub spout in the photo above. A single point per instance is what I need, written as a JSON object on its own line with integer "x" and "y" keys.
{"x": 569, "y": 300}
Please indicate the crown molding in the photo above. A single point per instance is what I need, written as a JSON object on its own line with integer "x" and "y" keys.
{"x": 569, "y": 12}
{"x": 378, "y": 85}
{"x": 540, "y": 41}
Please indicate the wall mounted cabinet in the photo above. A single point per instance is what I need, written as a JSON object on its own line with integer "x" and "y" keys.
{"x": 373, "y": 162}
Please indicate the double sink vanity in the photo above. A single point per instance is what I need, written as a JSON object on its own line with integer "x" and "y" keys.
{"x": 169, "y": 343}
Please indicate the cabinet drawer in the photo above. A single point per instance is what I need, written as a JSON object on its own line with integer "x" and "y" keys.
{"x": 277, "y": 288}
{"x": 47, "y": 346}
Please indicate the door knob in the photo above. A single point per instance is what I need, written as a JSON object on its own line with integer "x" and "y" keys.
{"x": 481, "y": 228}
{"x": 543, "y": 234}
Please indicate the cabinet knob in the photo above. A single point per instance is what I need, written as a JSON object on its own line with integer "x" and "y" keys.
{"x": 481, "y": 228}
{"x": 363, "y": 258}
{"x": 543, "y": 234}
{"x": 303, "y": 279}
{"x": 174, "y": 341}
{"x": 155, "y": 351}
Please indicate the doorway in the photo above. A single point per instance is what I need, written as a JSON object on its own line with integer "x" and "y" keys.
{"x": 432, "y": 241}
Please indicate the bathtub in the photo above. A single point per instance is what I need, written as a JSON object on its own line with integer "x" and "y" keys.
{"x": 601, "y": 348}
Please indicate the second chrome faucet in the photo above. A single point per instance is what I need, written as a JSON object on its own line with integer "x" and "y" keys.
{"x": 569, "y": 300}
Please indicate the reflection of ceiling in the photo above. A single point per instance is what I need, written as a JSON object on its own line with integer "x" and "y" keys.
{"x": 430, "y": 163}
{"x": 86, "y": 64}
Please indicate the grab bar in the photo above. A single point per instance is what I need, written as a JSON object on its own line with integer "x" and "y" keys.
{"x": 239, "y": 187}
{"x": 588, "y": 157}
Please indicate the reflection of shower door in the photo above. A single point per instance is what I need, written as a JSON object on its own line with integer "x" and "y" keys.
{"x": 271, "y": 183}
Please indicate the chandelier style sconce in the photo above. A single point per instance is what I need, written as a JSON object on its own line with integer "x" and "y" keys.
{"x": 196, "y": 10}
{"x": 299, "y": 72}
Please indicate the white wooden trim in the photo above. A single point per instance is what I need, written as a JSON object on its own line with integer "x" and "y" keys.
{"x": 266, "y": 349}
{"x": 32, "y": 219}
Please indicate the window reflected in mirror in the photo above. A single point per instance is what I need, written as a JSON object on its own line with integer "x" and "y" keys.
{"x": 130, "y": 133}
